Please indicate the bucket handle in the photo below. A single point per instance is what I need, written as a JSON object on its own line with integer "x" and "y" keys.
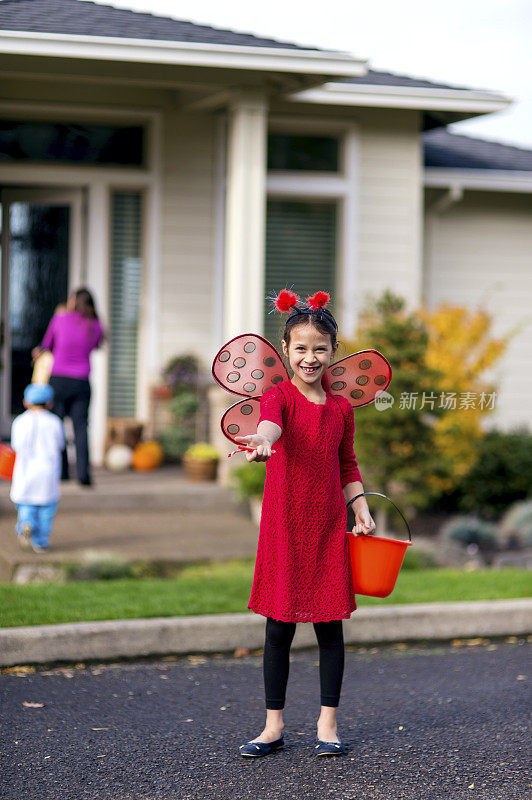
{"x": 379, "y": 494}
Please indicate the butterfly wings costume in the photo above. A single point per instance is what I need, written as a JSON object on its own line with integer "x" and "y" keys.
{"x": 302, "y": 570}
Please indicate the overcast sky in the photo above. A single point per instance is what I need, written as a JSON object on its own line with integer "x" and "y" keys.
{"x": 484, "y": 44}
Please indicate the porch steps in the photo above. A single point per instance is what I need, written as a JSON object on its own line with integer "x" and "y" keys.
{"x": 165, "y": 488}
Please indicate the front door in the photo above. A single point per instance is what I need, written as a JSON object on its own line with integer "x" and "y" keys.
{"x": 40, "y": 263}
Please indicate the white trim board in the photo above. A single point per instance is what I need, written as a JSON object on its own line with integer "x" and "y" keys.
{"x": 293, "y": 184}
{"x": 490, "y": 180}
{"x": 114, "y": 48}
{"x": 414, "y": 97}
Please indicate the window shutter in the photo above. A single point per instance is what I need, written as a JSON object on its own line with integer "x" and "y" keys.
{"x": 126, "y": 277}
{"x": 300, "y": 250}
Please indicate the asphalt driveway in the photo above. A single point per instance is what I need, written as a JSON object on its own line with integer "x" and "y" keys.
{"x": 434, "y": 723}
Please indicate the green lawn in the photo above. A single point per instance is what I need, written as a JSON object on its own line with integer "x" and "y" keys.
{"x": 224, "y": 588}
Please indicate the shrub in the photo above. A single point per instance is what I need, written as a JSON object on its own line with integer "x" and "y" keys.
{"x": 501, "y": 475}
{"x": 471, "y": 529}
{"x": 106, "y": 569}
{"x": 417, "y": 558}
{"x": 516, "y": 524}
{"x": 183, "y": 406}
{"x": 250, "y": 479}
{"x": 177, "y": 438}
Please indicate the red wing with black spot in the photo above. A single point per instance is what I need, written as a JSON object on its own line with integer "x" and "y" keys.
{"x": 359, "y": 378}
{"x": 248, "y": 365}
{"x": 241, "y": 419}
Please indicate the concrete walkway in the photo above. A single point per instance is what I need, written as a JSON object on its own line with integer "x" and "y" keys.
{"x": 158, "y": 517}
{"x": 135, "y": 638}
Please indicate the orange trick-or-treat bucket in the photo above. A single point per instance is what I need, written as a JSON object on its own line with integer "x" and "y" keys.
{"x": 7, "y": 462}
{"x": 376, "y": 560}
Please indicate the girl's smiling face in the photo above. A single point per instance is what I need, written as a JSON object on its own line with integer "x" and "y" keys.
{"x": 309, "y": 353}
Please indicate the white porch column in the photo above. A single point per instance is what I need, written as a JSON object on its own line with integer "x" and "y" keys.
{"x": 245, "y": 214}
{"x": 98, "y": 282}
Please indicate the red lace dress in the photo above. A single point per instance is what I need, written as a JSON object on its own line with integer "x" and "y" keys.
{"x": 302, "y": 571}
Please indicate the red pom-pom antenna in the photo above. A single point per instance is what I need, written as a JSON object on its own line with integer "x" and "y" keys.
{"x": 318, "y": 300}
{"x": 286, "y": 300}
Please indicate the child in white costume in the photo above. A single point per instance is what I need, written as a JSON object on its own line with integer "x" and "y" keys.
{"x": 38, "y": 440}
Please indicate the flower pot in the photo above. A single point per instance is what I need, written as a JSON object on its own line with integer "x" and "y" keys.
{"x": 203, "y": 470}
{"x": 162, "y": 392}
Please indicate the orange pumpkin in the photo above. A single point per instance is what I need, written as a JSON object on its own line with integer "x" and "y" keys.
{"x": 147, "y": 456}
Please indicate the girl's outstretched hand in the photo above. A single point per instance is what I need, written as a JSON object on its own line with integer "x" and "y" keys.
{"x": 262, "y": 447}
{"x": 363, "y": 522}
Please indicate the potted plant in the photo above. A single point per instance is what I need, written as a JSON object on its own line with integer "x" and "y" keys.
{"x": 176, "y": 438}
{"x": 250, "y": 480}
{"x": 201, "y": 462}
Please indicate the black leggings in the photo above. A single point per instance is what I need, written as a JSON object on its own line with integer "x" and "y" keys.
{"x": 71, "y": 399}
{"x": 276, "y": 662}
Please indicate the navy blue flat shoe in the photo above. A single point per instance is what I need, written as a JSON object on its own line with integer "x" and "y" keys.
{"x": 329, "y": 748}
{"x": 258, "y": 749}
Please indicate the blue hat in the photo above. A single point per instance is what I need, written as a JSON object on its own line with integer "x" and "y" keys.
{"x": 38, "y": 394}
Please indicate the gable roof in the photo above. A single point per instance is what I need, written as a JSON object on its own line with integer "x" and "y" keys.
{"x": 89, "y": 30}
{"x": 379, "y": 78}
{"x": 85, "y": 18}
{"x": 454, "y": 151}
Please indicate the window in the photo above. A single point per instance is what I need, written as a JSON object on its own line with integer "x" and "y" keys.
{"x": 300, "y": 250}
{"x": 126, "y": 279}
{"x": 71, "y": 143}
{"x": 309, "y": 153}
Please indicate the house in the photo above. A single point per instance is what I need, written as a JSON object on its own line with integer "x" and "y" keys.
{"x": 183, "y": 171}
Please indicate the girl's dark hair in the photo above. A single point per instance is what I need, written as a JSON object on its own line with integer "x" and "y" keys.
{"x": 85, "y": 303}
{"x": 322, "y": 319}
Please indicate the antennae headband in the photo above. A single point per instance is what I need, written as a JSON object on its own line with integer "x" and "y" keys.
{"x": 320, "y": 312}
{"x": 287, "y": 301}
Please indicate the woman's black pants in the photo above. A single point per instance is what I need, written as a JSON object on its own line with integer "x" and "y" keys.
{"x": 71, "y": 399}
{"x": 276, "y": 662}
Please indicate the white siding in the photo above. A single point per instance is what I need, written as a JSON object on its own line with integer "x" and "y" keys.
{"x": 479, "y": 254}
{"x": 390, "y": 206}
{"x": 188, "y": 236}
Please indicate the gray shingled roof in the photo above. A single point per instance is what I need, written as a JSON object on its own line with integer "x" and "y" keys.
{"x": 92, "y": 19}
{"x": 377, "y": 78}
{"x": 85, "y": 18}
{"x": 453, "y": 151}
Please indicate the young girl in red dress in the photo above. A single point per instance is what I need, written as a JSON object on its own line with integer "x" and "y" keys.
{"x": 302, "y": 571}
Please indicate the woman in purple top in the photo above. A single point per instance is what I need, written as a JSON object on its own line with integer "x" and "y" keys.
{"x": 71, "y": 336}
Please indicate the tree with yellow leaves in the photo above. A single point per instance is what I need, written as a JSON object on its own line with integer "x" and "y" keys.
{"x": 424, "y": 443}
{"x": 461, "y": 348}
{"x": 395, "y": 443}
